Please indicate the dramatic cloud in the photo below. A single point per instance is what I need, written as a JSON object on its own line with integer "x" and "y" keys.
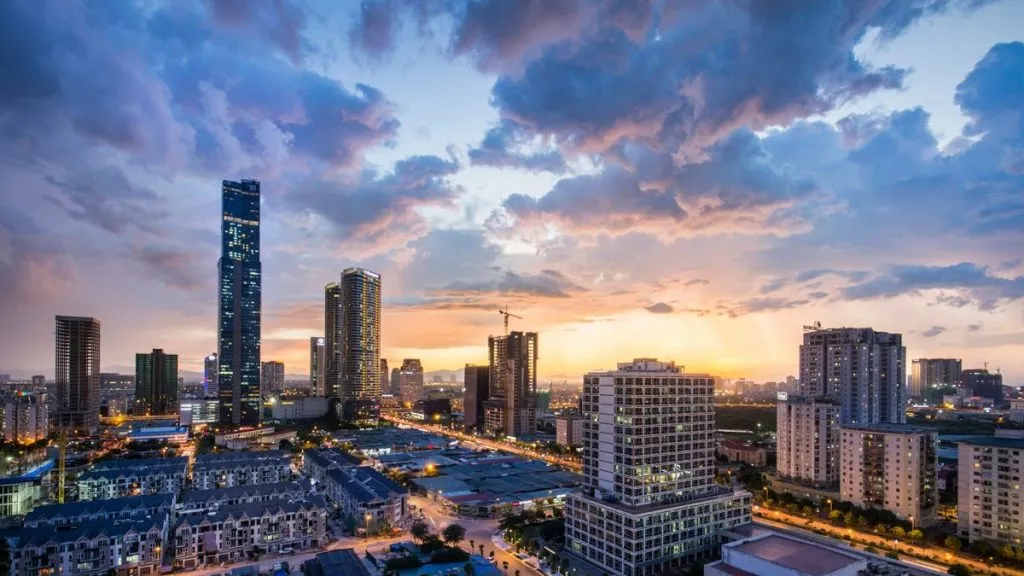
{"x": 32, "y": 268}
{"x": 499, "y": 149}
{"x": 973, "y": 281}
{"x": 279, "y": 21}
{"x": 660, "y": 308}
{"x": 547, "y": 284}
{"x": 933, "y": 331}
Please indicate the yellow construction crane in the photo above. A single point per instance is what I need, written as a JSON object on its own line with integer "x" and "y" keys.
{"x": 62, "y": 446}
{"x": 507, "y": 315}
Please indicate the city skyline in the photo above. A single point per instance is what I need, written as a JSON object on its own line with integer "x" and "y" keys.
{"x": 621, "y": 205}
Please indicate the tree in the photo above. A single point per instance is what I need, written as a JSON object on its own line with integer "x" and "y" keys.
{"x": 953, "y": 543}
{"x": 504, "y": 566}
{"x": 472, "y": 544}
{"x": 468, "y": 569}
{"x": 419, "y": 530}
{"x": 481, "y": 549}
{"x": 1007, "y": 552}
{"x": 453, "y": 534}
{"x": 898, "y": 532}
{"x": 915, "y": 535}
{"x": 959, "y": 570}
{"x": 850, "y": 519}
{"x": 881, "y": 527}
{"x": 808, "y": 510}
{"x": 835, "y": 516}
{"x": 285, "y": 445}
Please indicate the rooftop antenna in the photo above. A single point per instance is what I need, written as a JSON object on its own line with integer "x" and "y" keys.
{"x": 507, "y": 315}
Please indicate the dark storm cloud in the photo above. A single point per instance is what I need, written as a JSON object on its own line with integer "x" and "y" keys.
{"x": 660, "y": 308}
{"x": 498, "y": 150}
{"x": 379, "y": 210}
{"x": 973, "y": 281}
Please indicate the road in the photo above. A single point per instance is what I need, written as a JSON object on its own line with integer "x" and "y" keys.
{"x": 479, "y": 530}
{"x": 795, "y": 522}
{"x": 573, "y": 465}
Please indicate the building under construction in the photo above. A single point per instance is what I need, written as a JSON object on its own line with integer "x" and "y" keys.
{"x": 512, "y": 406}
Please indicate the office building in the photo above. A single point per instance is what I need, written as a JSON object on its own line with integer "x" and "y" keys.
{"x": 512, "y": 407}
{"x": 318, "y": 366}
{"x": 227, "y": 469}
{"x": 808, "y": 440}
{"x": 197, "y": 411}
{"x": 926, "y": 373}
{"x": 300, "y": 407}
{"x": 569, "y": 430}
{"x": 25, "y": 418}
{"x": 892, "y": 467}
{"x": 95, "y": 548}
{"x": 359, "y": 346}
{"x": 410, "y": 382}
{"x": 476, "y": 381}
{"x": 385, "y": 377}
{"x": 332, "y": 338}
{"x": 860, "y": 368}
{"x": 649, "y": 503}
{"x": 210, "y": 371}
{"x": 989, "y": 496}
{"x": 240, "y": 305}
{"x": 120, "y": 478}
{"x": 77, "y": 375}
{"x": 272, "y": 377}
{"x": 156, "y": 383}
{"x": 767, "y": 553}
{"x": 984, "y": 384}
{"x": 114, "y": 382}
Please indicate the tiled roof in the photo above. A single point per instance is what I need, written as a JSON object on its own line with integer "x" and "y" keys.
{"x": 59, "y": 513}
{"x": 43, "y": 535}
{"x": 259, "y": 509}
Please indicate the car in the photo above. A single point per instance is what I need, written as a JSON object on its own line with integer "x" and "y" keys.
{"x": 287, "y": 550}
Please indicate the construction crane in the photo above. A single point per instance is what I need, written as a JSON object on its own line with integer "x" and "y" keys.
{"x": 812, "y": 327}
{"x": 507, "y": 315}
{"x": 62, "y": 444}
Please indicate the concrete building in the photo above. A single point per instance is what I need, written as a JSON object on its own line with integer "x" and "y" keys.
{"x": 984, "y": 384}
{"x": 18, "y": 495}
{"x": 385, "y": 377}
{"x": 120, "y": 478}
{"x": 808, "y": 441}
{"x": 332, "y": 338}
{"x": 396, "y": 386}
{"x": 355, "y": 344}
{"x": 649, "y": 502}
{"x": 410, "y": 382}
{"x": 199, "y": 411}
{"x": 156, "y": 383}
{"x": 73, "y": 513}
{"x": 128, "y": 547}
{"x": 863, "y": 370}
{"x": 272, "y": 377}
{"x": 569, "y": 430}
{"x": 240, "y": 303}
{"x": 893, "y": 467}
{"x": 774, "y": 554}
{"x": 512, "y": 406}
{"x": 77, "y": 375}
{"x": 989, "y": 496}
{"x": 743, "y": 451}
{"x": 476, "y": 383}
{"x": 928, "y": 373}
{"x": 370, "y": 498}
{"x": 1016, "y": 413}
{"x": 233, "y": 534}
{"x": 228, "y": 469}
{"x": 210, "y": 368}
{"x": 200, "y": 502}
{"x": 26, "y": 417}
{"x": 318, "y": 366}
{"x": 300, "y": 408}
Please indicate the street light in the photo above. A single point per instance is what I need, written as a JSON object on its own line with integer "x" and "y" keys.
{"x": 829, "y": 505}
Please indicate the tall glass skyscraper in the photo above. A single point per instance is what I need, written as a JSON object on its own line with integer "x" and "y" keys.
{"x": 240, "y": 300}
{"x": 359, "y": 339}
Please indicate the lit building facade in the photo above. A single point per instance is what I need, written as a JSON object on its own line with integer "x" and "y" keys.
{"x": 359, "y": 392}
{"x": 989, "y": 496}
{"x": 808, "y": 440}
{"x": 569, "y": 430}
{"x": 984, "y": 384}
{"x": 156, "y": 383}
{"x": 210, "y": 375}
{"x": 240, "y": 305}
{"x": 892, "y": 467}
{"x": 512, "y": 407}
{"x": 272, "y": 377}
{"x": 77, "y": 375}
{"x": 928, "y": 373}
{"x": 25, "y": 417}
{"x": 318, "y": 366}
{"x": 649, "y": 503}
{"x": 862, "y": 369}
{"x": 410, "y": 381}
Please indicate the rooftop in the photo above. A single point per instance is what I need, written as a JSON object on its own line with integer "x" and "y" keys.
{"x": 343, "y": 562}
{"x": 258, "y": 509}
{"x": 133, "y": 463}
{"x": 892, "y": 428}
{"x": 55, "y": 513}
{"x": 994, "y": 441}
{"x": 254, "y": 490}
{"x": 43, "y": 535}
{"x": 799, "y": 555}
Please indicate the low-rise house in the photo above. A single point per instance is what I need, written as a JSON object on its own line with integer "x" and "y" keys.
{"x": 100, "y": 510}
{"x": 204, "y": 501}
{"x": 317, "y": 462}
{"x": 132, "y": 546}
{"x": 241, "y": 469}
{"x": 119, "y": 478}
{"x": 741, "y": 451}
{"x": 376, "y": 503}
{"x": 239, "y": 533}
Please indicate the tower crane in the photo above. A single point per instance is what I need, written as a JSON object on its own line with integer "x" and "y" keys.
{"x": 507, "y": 315}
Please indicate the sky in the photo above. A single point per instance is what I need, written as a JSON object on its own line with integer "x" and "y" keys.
{"x": 688, "y": 180}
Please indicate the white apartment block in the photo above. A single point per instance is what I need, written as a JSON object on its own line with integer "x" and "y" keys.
{"x": 569, "y": 430}
{"x": 808, "y": 440}
{"x": 649, "y": 503}
{"x": 990, "y": 502}
{"x": 25, "y": 418}
{"x": 120, "y": 478}
{"x": 892, "y": 467}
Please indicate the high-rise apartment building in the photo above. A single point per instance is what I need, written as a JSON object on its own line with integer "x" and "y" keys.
{"x": 476, "y": 383}
{"x": 272, "y": 376}
{"x": 410, "y": 381}
{"x": 38, "y": 382}
{"x": 928, "y": 373}
{"x": 332, "y": 338}
{"x": 396, "y": 382}
{"x": 25, "y": 417}
{"x": 808, "y": 440}
{"x": 359, "y": 392}
{"x": 210, "y": 371}
{"x": 156, "y": 383}
{"x": 385, "y": 377}
{"x": 863, "y": 370}
{"x": 240, "y": 305}
{"x": 513, "y": 380}
{"x": 77, "y": 375}
{"x": 649, "y": 503}
{"x": 989, "y": 496}
{"x": 892, "y": 467}
{"x": 568, "y": 430}
{"x": 318, "y": 366}
{"x": 984, "y": 384}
